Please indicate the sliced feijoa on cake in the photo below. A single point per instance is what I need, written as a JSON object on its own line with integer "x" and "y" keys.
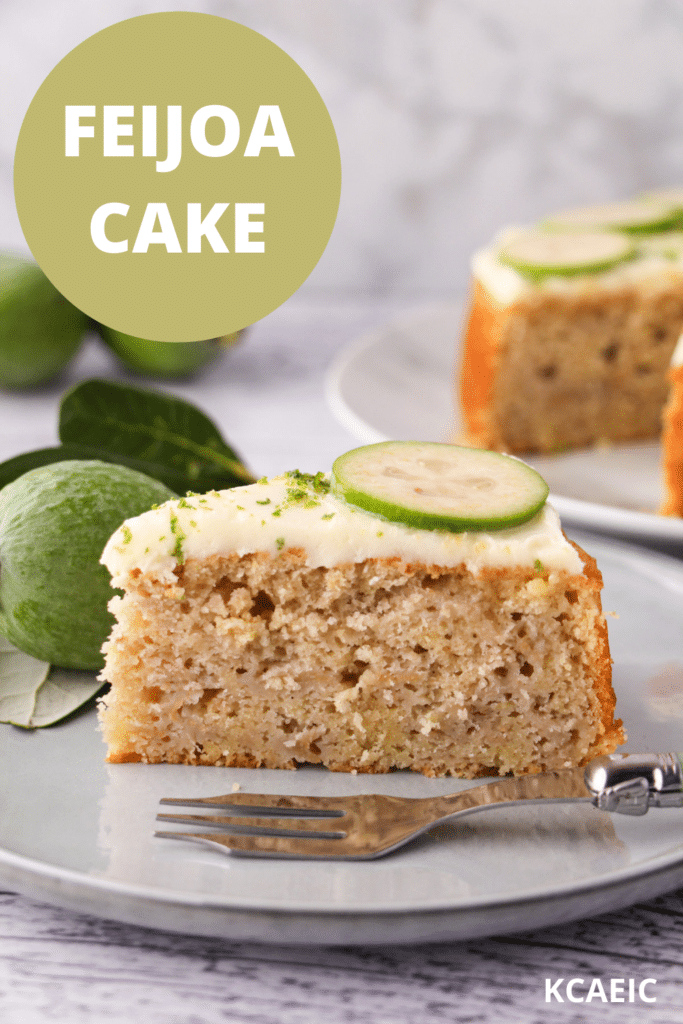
{"x": 439, "y": 486}
{"x": 673, "y": 196}
{"x": 634, "y": 215}
{"x": 541, "y": 254}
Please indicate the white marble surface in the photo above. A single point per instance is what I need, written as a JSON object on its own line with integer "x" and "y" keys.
{"x": 453, "y": 116}
{"x": 58, "y": 967}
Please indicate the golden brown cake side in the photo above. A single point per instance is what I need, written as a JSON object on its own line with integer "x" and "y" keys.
{"x": 485, "y": 327}
{"x": 672, "y": 446}
{"x": 266, "y": 661}
{"x": 564, "y": 369}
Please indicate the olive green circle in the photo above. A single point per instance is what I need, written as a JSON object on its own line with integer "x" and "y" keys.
{"x": 192, "y": 61}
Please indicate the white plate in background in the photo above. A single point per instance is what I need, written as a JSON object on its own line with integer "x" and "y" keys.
{"x": 78, "y": 832}
{"x": 399, "y": 382}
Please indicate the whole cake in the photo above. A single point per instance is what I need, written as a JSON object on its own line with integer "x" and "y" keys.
{"x": 571, "y": 328}
{"x": 672, "y": 438}
{"x": 422, "y": 609}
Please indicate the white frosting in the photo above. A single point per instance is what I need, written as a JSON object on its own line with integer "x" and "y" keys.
{"x": 659, "y": 260}
{"x": 263, "y": 517}
{"x": 677, "y": 357}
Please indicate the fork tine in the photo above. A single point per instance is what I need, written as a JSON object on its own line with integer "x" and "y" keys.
{"x": 266, "y": 826}
{"x": 268, "y": 846}
{"x": 277, "y": 804}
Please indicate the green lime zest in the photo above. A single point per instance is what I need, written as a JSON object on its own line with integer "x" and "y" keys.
{"x": 176, "y": 530}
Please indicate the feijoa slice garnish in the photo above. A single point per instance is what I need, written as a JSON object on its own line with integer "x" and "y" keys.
{"x": 436, "y": 486}
{"x": 673, "y": 196}
{"x": 544, "y": 253}
{"x": 634, "y": 215}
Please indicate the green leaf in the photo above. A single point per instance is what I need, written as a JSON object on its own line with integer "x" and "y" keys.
{"x": 151, "y": 428}
{"x": 62, "y": 693}
{"x": 21, "y": 676}
{"x": 20, "y": 464}
{"x": 13, "y": 468}
{"x": 33, "y": 695}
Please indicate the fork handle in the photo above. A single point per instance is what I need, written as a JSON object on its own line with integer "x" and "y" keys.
{"x": 631, "y": 783}
{"x": 622, "y": 783}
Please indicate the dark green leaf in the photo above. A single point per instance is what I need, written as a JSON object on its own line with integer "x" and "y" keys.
{"x": 20, "y": 464}
{"x": 12, "y": 469}
{"x": 153, "y": 429}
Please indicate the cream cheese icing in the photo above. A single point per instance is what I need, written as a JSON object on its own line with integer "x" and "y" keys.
{"x": 677, "y": 357}
{"x": 268, "y": 516}
{"x": 659, "y": 259}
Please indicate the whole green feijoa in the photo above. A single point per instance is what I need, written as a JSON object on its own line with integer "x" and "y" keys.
{"x": 54, "y": 524}
{"x": 40, "y": 331}
{"x": 165, "y": 358}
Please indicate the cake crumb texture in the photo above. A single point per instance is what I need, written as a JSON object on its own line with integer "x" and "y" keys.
{"x": 557, "y": 370}
{"x": 262, "y": 660}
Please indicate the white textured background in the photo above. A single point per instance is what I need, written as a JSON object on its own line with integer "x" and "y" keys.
{"x": 453, "y": 116}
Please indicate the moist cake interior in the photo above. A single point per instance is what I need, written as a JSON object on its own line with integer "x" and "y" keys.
{"x": 258, "y": 660}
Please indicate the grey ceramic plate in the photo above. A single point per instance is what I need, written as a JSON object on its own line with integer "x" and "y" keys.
{"x": 77, "y": 832}
{"x": 398, "y": 382}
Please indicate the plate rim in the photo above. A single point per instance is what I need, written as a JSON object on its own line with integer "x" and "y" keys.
{"x": 88, "y": 895}
{"x": 34, "y": 868}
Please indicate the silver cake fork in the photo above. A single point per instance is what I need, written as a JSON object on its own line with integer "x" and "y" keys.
{"x": 368, "y": 826}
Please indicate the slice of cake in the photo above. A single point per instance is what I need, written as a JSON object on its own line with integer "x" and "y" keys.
{"x": 571, "y": 328}
{"x": 672, "y": 438}
{"x": 301, "y": 620}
